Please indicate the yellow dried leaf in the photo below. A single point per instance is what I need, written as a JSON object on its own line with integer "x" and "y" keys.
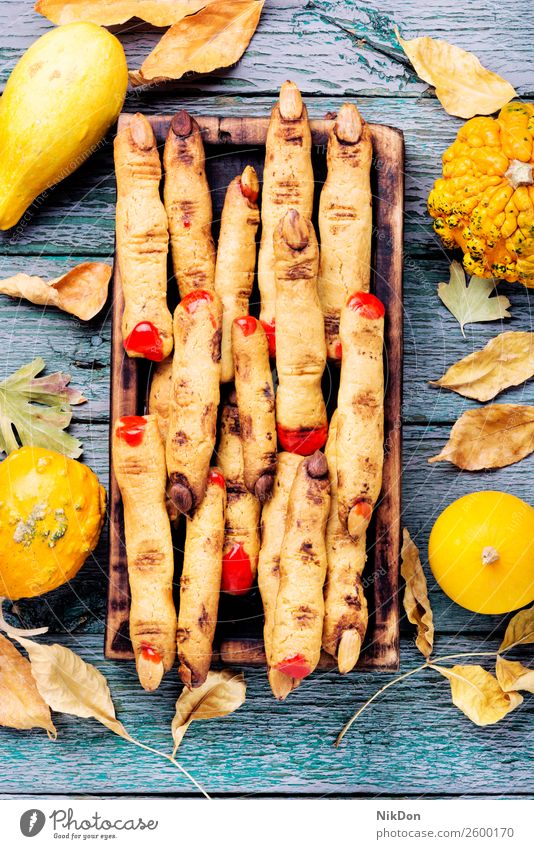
{"x": 160, "y": 13}
{"x": 513, "y": 675}
{"x": 507, "y": 360}
{"x": 478, "y": 694}
{"x": 520, "y": 630}
{"x": 416, "y": 603}
{"x": 82, "y": 291}
{"x": 213, "y": 38}
{"x": 222, "y": 693}
{"x": 463, "y": 86}
{"x": 21, "y": 705}
{"x": 490, "y": 437}
{"x": 69, "y": 685}
{"x": 473, "y": 301}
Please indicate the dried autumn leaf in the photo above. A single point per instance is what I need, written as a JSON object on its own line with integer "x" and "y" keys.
{"x": 213, "y": 38}
{"x": 470, "y": 303}
{"x": 69, "y": 685}
{"x": 513, "y": 675}
{"x": 222, "y": 693}
{"x": 507, "y": 360}
{"x": 478, "y": 694}
{"x": 463, "y": 86}
{"x": 490, "y": 437}
{"x": 82, "y": 291}
{"x": 520, "y": 630}
{"x": 36, "y": 410}
{"x": 160, "y": 13}
{"x": 416, "y": 603}
{"x": 21, "y": 705}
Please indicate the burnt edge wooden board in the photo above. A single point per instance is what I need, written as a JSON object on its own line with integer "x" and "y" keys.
{"x": 381, "y": 651}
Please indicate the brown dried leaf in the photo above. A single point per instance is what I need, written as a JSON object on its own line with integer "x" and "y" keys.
{"x": 21, "y": 705}
{"x": 160, "y": 13}
{"x": 69, "y": 685}
{"x": 520, "y": 630}
{"x": 213, "y": 38}
{"x": 416, "y": 603}
{"x": 463, "y": 86}
{"x": 222, "y": 693}
{"x": 512, "y": 675}
{"x": 507, "y": 360}
{"x": 490, "y": 437}
{"x": 82, "y": 291}
{"x": 477, "y": 693}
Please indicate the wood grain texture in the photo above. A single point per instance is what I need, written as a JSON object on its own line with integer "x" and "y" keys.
{"x": 324, "y": 58}
{"x": 247, "y": 135}
{"x": 411, "y": 742}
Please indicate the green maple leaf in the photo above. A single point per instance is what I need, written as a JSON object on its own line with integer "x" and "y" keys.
{"x": 36, "y": 410}
{"x": 471, "y": 302}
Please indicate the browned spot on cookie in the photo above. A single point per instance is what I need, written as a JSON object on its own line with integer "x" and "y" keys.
{"x": 216, "y": 346}
{"x": 180, "y": 437}
{"x": 182, "y": 635}
{"x": 204, "y": 619}
{"x": 304, "y": 615}
{"x": 246, "y": 427}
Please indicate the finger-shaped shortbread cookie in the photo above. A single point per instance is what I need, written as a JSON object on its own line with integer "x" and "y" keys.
{"x": 194, "y": 400}
{"x": 298, "y": 625}
{"x": 200, "y": 583}
{"x": 255, "y": 402}
{"x": 142, "y": 242}
{"x": 273, "y": 522}
{"x": 301, "y": 349}
{"x": 159, "y": 395}
{"x": 287, "y": 184}
{"x": 236, "y": 258}
{"x": 139, "y": 467}
{"x": 242, "y": 531}
{"x": 345, "y": 219}
{"x": 360, "y": 420}
{"x": 188, "y": 203}
{"x": 345, "y": 606}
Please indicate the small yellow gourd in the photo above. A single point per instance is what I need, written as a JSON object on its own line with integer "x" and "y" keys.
{"x": 60, "y": 100}
{"x": 481, "y": 551}
{"x": 52, "y": 510}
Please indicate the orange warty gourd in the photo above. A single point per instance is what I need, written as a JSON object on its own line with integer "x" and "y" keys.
{"x": 484, "y": 204}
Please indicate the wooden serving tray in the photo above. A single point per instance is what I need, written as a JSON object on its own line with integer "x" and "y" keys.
{"x": 232, "y": 143}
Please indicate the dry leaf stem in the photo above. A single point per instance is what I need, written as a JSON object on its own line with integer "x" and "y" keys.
{"x": 167, "y": 757}
{"x": 428, "y": 665}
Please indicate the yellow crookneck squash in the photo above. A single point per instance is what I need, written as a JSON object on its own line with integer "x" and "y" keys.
{"x": 484, "y": 204}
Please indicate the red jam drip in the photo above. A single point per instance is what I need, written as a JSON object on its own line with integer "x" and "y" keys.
{"x": 150, "y": 654}
{"x": 366, "y": 304}
{"x": 216, "y": 478}
{"x": 295, "y": 666}
{"x": 145, "y": 340}
{"x": 236, "y": 571}
{"x": 195, "y": 299}
{"x": 131, "y": 429}
{"x": 247, "y": 324}
{"x": 304, "y": 441}
{"x": 338, "y": 351}
{"x": 270, "y": 331}
{"x": 362, "y": 508}
{"x": 187, "y": 223}
{"x": 249, "y": 193}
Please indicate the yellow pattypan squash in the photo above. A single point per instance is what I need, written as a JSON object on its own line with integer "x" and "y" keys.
{"x": 52, "y": 510}
{"x": 484, "y": 203}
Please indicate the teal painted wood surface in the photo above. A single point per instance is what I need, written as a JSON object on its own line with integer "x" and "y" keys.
{"x": 412, "y": 741}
